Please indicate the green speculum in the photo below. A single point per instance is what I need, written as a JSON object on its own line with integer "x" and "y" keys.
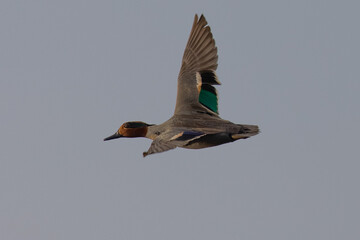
{"x": 209, "y": 100}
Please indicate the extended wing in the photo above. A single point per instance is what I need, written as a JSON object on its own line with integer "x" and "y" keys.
{"x": 195, "y": 92}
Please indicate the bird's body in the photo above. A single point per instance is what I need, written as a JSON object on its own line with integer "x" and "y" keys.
{"x": 196, "y": 122}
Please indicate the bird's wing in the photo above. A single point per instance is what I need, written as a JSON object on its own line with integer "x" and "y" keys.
{"x": 171, "y": 140}
{"x": 195, "y": 93}
{"x": 159, "y": 145}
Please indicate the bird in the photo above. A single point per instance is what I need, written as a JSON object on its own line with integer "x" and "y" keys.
{"x": 196, "y": 122}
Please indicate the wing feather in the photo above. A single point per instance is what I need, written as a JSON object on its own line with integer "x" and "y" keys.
{"x": 159, "y": 145}
{"x": 200, "y": 55}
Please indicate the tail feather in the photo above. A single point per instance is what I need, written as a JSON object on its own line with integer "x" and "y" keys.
{"x": 246, "y": 131}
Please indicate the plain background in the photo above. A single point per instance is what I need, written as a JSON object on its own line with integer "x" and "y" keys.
{"x": 71, "y": 72}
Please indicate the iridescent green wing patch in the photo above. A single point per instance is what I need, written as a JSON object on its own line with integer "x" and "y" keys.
{"x": 207, "y": 93}
{"x": 208, "y": 98}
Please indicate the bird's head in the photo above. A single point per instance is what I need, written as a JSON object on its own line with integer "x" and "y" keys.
{"x": 130, "y": 129}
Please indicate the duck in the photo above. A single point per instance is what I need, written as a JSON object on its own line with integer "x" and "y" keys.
{"x": 195, "y": 123}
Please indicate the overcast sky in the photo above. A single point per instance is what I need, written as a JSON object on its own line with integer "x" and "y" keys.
{"x": 71, "y": 72}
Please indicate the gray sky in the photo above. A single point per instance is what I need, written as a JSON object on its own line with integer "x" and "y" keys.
{"x": 71, "y": 72}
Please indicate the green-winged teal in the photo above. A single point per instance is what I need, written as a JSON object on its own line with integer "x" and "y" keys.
{"x": 196, "y": 122}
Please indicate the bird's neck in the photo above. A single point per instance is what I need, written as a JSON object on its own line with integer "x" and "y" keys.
{"x": 153, "y": 131}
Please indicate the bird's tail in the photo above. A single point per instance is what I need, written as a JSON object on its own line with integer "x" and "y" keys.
{"x": 246, "y": 131}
